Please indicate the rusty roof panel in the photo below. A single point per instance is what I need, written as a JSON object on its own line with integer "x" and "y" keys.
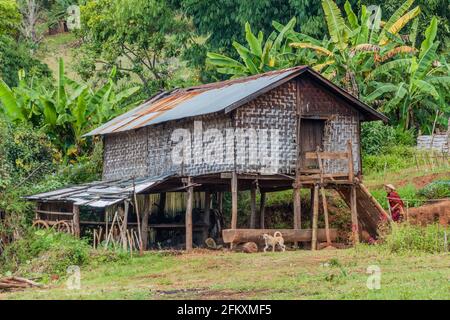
{"x": 195, "y": 101}
{"x": 214, "y": 97}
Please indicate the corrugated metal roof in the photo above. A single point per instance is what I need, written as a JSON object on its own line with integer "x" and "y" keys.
{"x": 211, "y": 98}
{"x": 99, "y": 194}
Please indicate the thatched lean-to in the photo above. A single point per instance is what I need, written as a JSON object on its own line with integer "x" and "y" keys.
{"x": 279, "y": 130}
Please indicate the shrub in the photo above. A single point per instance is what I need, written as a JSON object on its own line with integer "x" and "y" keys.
{"x": 407, "y": 238}
{"x": 395, "y": 158}
{"x": 44, "y": 252}
{"x": 436, "y": 190}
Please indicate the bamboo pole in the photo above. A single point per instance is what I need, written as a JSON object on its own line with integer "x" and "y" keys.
{"x": 76, "y": 220}
{"x": 206, "y": 218}
{"x": 136, "y": 208}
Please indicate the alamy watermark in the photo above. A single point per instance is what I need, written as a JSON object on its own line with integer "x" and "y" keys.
{"x": 374, "y": 280}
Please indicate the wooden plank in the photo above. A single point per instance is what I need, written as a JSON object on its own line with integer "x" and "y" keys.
{"x": 374, "y": 201}
{"x": 147, "y": 208}
{"x": 55, "y": 213}
{"x": 189, "y": 203}
{"x": 124, "y": 228}
{"x": 76, "y": 221}
{"x": 234, "y": 200}
{"x": 327, "y": 155}
{"x": 253, "y": 207}
{"x": 289, "y": 235}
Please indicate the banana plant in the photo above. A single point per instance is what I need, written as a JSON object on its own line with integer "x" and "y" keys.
{"x": 416, "y": 87}
{"x": 68, "y": 110}
{"x": 258, "y": 55}
{"x": 356, "y": 45}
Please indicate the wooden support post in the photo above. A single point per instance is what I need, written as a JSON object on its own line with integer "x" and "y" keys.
{"x": 315, "y": 217}
{"x": 253, "y": 207}
{"x": 147, "y": 208}
{"x": 311, "y": 201}
{"x": 125, "y": 226}
{"x": 234, "y": 200}
{"x": 351, "y": 173}
{"x": 297, "y": 209}
{"x": 190, "y": 199}
{"x": 76, "y": 221}
{"x": 206, "y": 219}
{"x": 325, "y": 212}
{"x": 220, "y": 201}
{"x": 262, "y": 207}
{"x": 354, "y": 212}
{"x": 161, "y": 205}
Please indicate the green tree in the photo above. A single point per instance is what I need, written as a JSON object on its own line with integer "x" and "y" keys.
{"x": 141, "y": 38}
{"x": 9, "y": 17}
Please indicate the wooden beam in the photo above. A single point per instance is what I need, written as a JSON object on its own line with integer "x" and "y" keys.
{"x": 289, "y": 235}
{"x": 144, "y": 226}
{"x": 234, "y": 200}
{"x": 315, "y": 218}
{"x": 125, "y": 226}
{"x": 351, "y": 173}
{"x": 262, "y": 207}
{"x": 76, "y": 221}
{"x": 354, "y": 213}
{"x": 190, "y": 199}
{"x": 206, "y": 219}
{"x": 327, "y": 155}
{"x": 54, "y": 212}
{"x": 253, "y": 206}
{"x": 325, "y": 212}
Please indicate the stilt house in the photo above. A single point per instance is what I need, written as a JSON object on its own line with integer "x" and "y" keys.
{"x": 285, "y": 129}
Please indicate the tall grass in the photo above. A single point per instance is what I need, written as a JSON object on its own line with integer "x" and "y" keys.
{"x": 407, "y": 238}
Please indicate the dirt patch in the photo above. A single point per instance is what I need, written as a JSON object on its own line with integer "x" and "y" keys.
{"x": 418, "y": 182}
{"x": 431, "y": 213}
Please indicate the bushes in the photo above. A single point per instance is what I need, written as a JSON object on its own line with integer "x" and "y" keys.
{"x": 377, "y": 138}
{"x": 395, "y": 158}
{"x": 46, "y": 252}
{"x": 436, "y": 190}
{"x": 407, "y": 238}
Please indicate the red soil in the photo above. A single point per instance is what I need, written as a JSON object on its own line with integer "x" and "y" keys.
{"x": 430, "y": 213}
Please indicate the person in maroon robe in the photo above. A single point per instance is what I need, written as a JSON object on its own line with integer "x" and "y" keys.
{"x": 396, "y": 205}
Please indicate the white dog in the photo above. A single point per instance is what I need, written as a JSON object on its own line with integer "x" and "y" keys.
{"x": 272, "y": 241}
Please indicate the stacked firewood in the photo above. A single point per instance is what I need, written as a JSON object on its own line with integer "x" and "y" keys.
{"x": 15, "y": 283}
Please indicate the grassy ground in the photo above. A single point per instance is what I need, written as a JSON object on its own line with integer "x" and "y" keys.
{"x": 326, "y": 274}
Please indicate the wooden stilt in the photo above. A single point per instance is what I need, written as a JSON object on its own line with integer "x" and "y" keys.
{"x": 351, "y": 173}
{"x": 262, "y": 207}
{"x": 325, "y": 212}
{"x": 315, "y": 218}
{"x": 206, "y": 219}
{"x": 297, "y": 209}
{"x": 190, "y": 199}
{"x": 354, "y": 213}
{"x": 144, "y": 231}
{"x": 253, "y": 207}
{"x": 311, "y": 201}
{"x": 161, "y": 205}
{"x": 234, "y": 200}
{"x": 125, "y": 226}
{"x": 76, "y": 221}
{"x": 220, "y": 201}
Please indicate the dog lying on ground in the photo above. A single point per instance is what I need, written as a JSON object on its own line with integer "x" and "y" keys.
{"x": 272, "y": 241}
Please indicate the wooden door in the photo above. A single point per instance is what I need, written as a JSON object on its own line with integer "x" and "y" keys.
{"x": 311, "y": 136}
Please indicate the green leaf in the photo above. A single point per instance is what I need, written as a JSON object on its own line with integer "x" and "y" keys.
{"x": 380, "y": 91}
{"x": 335, "y": 23}
{"x": 253, "y": 42}
{"x": 351, "y": 16}
{"x": 430, "y": 35}
{"x": 9, "y": 102}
